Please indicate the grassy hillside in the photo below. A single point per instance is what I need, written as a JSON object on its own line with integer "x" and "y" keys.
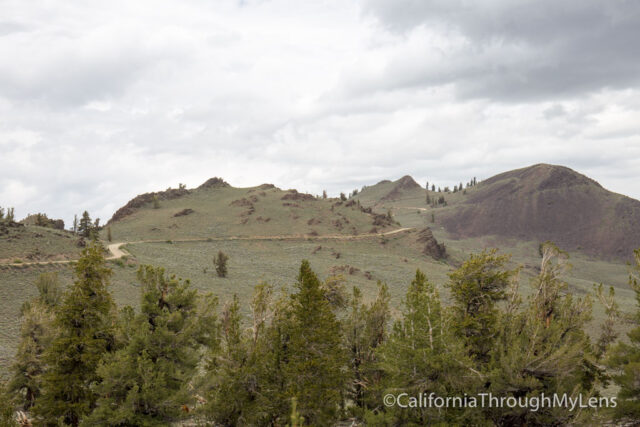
{"x": 31, "y": 243}
{"x": 223, "y": 211}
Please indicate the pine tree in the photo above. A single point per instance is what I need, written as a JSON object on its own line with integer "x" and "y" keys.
{"x": 422, "y": 355}
{"x": 36, "y": 334}
{"x": 75, "y": 224}
{"x": 315, "y": 358}
{"x": 220, "y": 263}
{"x": 86, "y": 225}
{"x": 365, "y": 329}
{"x": 145, "y": 382}
{"x": 232, "y": 387}
{"x": 543, "y": 349}
{"x": 476, "y": 288}
{"x": 109, "y": 237}
{"x": 624, "y": 359}
{"x": 85, "y": 333}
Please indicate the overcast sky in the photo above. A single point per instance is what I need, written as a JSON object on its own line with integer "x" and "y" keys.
{"x": 100, "y": 101}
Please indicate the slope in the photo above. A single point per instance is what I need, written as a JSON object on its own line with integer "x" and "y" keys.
{"x": 546, "y": 202}
{"x": 215, "y": 209}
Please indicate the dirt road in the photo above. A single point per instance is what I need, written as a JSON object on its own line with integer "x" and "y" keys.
{"x": 117, "y": 251}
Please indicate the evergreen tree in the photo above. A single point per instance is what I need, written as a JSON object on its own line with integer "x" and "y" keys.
{"x": 85, "y": 333}
{"x": 109, "y": 237}
{"x": 365, "y": 329}
{"x": 233, "y": 387}
{"x": 75, "y": 224}
{"x": 315, "y": 358}
{"x": 543, "y": 349}
{"x": 220, "y": 263}
{"x": 476, "y": 287}
{"x": 86, "y": 225}
{"x": 625, "y": 360}
{"x": 36, "y": 334}
{"x": 422, "y": 355}
{"x": 146, "y": 381}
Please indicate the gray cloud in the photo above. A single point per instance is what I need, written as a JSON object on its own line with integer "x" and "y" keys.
{"x": 522, "y": 50}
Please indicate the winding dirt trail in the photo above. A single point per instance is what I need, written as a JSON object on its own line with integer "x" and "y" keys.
{"x": 118, "y": 252}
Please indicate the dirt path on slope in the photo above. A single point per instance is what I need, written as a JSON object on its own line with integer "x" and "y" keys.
{"x": 117, "y": 251}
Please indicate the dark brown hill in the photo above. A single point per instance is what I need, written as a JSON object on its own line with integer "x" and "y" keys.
{"x": 547, "y": 202}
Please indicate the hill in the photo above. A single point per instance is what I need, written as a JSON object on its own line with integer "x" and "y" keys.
{"x": 29, "y": 243}
{"x": 546, "y": 202}
{"x": 537, "y": 203}
{"x": 405, "y": 188}
{"x": 216, "y": 209}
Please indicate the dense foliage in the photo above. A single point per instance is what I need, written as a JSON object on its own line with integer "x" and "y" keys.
{"x": 317, "y": 354}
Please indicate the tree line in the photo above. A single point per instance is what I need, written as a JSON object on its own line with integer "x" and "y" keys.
{"x": 319, "y": 353}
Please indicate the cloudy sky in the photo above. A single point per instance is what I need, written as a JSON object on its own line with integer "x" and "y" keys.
{"x": 100, "y": 101}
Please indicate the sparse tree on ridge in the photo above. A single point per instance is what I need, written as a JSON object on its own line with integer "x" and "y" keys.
{"x": 86, "y": 226}
{"x": 7, "y": 216}
{"x": 220, "y": 263}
